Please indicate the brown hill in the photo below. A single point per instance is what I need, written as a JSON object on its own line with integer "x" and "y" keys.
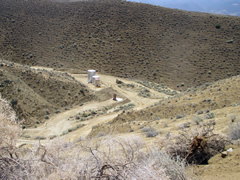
{"x": 138, "y": 41}
{"x": 216, "y": 103}
{"x": 36, "y": 94}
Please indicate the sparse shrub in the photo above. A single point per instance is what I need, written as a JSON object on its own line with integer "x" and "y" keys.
{"x": 137, "y": 164}
{"x": 150, "y": 132}
{"x": 235, "y": 131}
{"x": 179, "y": 116}
{"x": 184, "y": 125}
{"x": 233, "y": 117}
{"x": 107, "y": 158}
{"x": 165, "y": 125}
{"x": 82, "y": 119}
{"x": 57, "y": 111}
{"x": 118, "y": 81}
{"x": 218, "y": 26}
{"x": 168, "y": 135}
{"x": 14, "y": 102}
{"x": 40, "y": 138}
{"x": 64, "y": 133}
{"x": 52, "y": 136}
{"x": 100, "y": 134}
{"x": 94, "y": 127}
{"x": 27, "y": 136}
{"x": 210, "y": 115}
{"x": 197, "y": 120}
{"x": 84, "y": 115}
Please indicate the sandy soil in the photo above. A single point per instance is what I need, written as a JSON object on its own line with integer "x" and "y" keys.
{"x": 61, "y": 122}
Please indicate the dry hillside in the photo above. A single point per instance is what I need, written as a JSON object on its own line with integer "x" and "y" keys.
{"x": 176, "y": 75}
{"x": 36, "y": 94}
{"x": 216, "y": 103}
{"x": 138, "y": 41}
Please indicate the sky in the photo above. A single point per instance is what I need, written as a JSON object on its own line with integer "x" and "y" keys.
{"x": 227, "y": 7}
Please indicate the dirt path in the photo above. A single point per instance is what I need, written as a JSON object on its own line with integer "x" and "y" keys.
{"x": 61, "y": 122}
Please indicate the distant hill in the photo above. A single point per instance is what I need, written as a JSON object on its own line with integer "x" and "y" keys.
{"x": 132, "y": 40}
{"x": 228, "y": 7}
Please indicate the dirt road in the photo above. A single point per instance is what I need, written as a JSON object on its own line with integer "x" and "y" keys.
{"x": 62, "y": 122}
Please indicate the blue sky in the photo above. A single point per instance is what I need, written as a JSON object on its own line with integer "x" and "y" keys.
{"x": 228, "y": 7}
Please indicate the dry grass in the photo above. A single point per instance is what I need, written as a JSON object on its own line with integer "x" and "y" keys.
{"x": 9, "y": 132}
{"x": 107, "y": 157}
{"x": 124, "y": 39}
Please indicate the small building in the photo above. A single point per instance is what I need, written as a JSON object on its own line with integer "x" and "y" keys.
{"x": 91, "y": 73}
{"x": 96, "y": 81}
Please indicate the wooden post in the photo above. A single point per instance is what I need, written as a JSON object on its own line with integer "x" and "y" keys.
{"x": 114, "y": 96}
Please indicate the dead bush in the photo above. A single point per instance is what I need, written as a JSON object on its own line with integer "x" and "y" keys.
{"x": 235, "y": 131}
{"x": 198, "y": 146}
{"x": 117, "y": 158}
{"x": 10, "y": 167}
{"x": 107, "y": 157}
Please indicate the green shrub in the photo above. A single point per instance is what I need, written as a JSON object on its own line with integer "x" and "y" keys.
{"x": 40, "y": 138}
{"x": 218, "y": 26}
{"x": 52, "y": 136}
{"x": 197, "y": 120}
{"x": 27, "y": 136}
{"x": 64, "y": 133}
{"x": 210, "y": 115}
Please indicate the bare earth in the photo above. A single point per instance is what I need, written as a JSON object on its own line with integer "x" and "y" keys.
{"x": 218, "y": 167}
{"x": 61, "y": 122}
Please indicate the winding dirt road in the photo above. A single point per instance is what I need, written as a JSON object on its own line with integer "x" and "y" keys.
{"x": 61, "y": 122}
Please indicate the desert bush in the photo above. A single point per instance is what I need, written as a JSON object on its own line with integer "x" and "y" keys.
{"x": 9, "y": 132}
{"x": 233, "y": 117}
{"x": 27, "y": 136}
{"x": 198, "y": 146}
{"x": 218, "y": 26}
{"x": 40, "y": 138}
{"x": 150, "y": 132}
{"x": 107, "y": 158}
{"x": 124, "y": 159}
{"x": 179, "y": 116}
{"x": 52, "y": 136}
{"x": 235, "y": 131}
{"x": 9, "y": 127}
{"x": 100, "y": 134}
{"x": 210, "y": 115}
{"x": 197, "y": 120}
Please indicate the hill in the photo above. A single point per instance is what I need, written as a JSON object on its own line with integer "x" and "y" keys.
{"x": 216, "y": 103}
{"x": 146, "y": 55}
{"x": 37, "y": 94}
{"x": 124, "y": 39}
{"x": 228, "y": 7}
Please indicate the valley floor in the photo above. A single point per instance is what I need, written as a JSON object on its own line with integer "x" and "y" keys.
{"x": 64, "y": 123}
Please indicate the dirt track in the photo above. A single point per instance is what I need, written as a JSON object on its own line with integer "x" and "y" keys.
{"x": 61, "y": 122}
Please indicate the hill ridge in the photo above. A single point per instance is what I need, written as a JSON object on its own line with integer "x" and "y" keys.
{"x": 124, "y": 39}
